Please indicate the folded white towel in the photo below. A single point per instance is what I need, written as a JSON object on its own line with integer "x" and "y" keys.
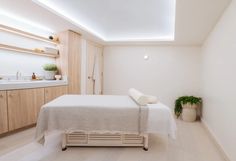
{"x": 50, "y": 50}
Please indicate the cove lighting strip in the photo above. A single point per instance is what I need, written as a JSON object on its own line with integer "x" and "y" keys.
{"x": 24, "y": 21}
{"x": 60, "y": 12}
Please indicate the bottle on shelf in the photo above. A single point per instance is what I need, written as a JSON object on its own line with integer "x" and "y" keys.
{"x": 33, "y": 76}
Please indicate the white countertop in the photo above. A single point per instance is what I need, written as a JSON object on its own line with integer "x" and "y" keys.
{"x": 24, "y": 84}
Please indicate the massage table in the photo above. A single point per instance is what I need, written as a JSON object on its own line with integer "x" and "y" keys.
{"x": 103, "y": 120}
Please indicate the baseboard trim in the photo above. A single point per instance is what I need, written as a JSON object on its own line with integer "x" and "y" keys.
{"x": 16, "y": 131}
{"x": 215, "y": 141}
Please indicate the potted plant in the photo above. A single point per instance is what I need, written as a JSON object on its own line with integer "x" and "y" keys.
{"x": 186, "y": 107}
{"x": 50, "y": 71}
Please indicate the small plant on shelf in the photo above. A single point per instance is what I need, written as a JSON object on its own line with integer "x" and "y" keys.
{"x": 187, "y": 105}
{"x": 50, "y": 71}
{"x": 50, "y": 67}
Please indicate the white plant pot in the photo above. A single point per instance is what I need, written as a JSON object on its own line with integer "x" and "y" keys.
{"x": 49, "y": 75}
{"x": 189, "y": 112}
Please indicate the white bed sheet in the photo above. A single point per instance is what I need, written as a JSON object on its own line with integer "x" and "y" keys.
{"x": 103, "y": 113}
{"x": 161, "y": 120}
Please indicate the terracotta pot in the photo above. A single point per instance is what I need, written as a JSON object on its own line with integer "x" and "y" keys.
{"x": 189, "y": 112}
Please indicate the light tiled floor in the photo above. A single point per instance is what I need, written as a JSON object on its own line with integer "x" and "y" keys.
{"x": 14, "y": 141}
{"x": 192, "y": 144}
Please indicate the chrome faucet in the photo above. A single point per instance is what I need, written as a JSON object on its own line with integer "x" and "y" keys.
{"x": 18, "y": 75}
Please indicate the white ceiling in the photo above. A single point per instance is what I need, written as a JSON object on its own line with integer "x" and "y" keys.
{"x": 130, "y": 19}
{"x": 119, "y": 20}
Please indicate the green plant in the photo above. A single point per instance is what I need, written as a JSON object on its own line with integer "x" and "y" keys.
{"x": 184, "y": 100}
{"x": 50, "y": 67}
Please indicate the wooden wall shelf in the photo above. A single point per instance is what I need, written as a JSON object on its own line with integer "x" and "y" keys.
{"x": 27, "y": 34}
{"x": 28, "y": 51}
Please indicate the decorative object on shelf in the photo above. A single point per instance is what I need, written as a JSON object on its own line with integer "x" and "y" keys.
{"x": 58, "y": 77}
{"x": 186, "y": 107}
{"x": 33, "y": 76}
{"x": 50, "y": 71}
{"x": 28, "y": 35}
{"x": 53, "y": 38}
{"x": 38, "y": 79}
{"x": 51, "y": 50}
{"x": 38, "y": 50}
{"x": 50, "y": 37}
{"x": 28, "y": 51}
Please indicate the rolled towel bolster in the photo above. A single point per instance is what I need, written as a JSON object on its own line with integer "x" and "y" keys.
{"x": 138, "y": 96}
{"x": 151, "y": 99}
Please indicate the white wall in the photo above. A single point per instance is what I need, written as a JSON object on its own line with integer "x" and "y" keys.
{"x": 169, "y": 72}
{"x": 11, "y": 62}
{"x": 219, "y": 81}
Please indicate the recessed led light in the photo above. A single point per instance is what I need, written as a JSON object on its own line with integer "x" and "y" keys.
{"x": 146, "y": 57}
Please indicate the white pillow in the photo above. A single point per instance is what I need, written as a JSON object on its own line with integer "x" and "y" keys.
{"x": 138, "y": 96}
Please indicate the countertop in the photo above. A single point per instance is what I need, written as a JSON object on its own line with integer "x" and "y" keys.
{"x": 25, "y": 84}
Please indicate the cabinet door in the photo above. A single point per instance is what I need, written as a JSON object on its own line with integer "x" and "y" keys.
{"x": 3, "y": 112}
{"x": 38, "y": 100}
{"x": 69, "y": 62}
{"x": 54, "y": 92}
{"x": 74, "y": 63}
{"x": 23, "y": 107}
{"x": 15, "y": 113}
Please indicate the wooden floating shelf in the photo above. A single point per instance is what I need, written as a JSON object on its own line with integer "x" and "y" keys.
{"x": 27, "y": 34}
{"x": 28, "y": 51}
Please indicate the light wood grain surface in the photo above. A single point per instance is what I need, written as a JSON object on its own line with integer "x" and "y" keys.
{"x": 3, "y": 112}
{"x": 69, "y": 62}
{"x": 74, "y": 64}
{"x": 23, "y": 107}
{"x": 54, "y": 92}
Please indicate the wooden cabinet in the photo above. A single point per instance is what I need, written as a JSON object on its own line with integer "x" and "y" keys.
{"x": 39, "y": 101}
{"x": 3, "y": 112}
{"x": 54, "y": 92}
{"x": 23, "y": 107}
{"x": 20, "y": 108}
{"x": 69, "y": 62}
{"x": 74, "y": 64}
